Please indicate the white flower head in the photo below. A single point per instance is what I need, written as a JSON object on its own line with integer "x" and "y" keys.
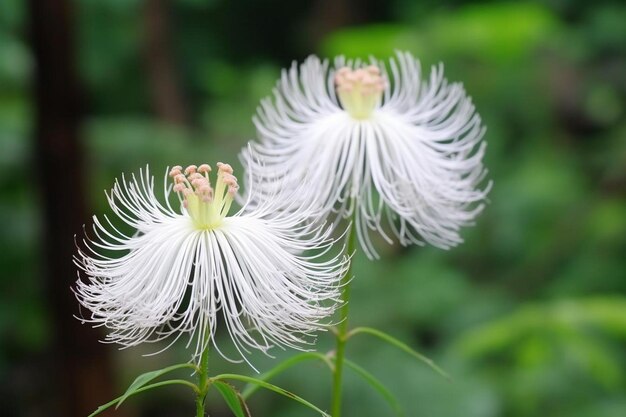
{"x": 403, "y": 152}
{"x": 181, "y": 271}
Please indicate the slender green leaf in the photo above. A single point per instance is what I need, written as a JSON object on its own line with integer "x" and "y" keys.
{"x": 142, "y": 389}
{"x": 270, "y": 387}
{"x": 251, "y": 388}
{"x": 400, "y": 345}
{"x": 231, "y": 396}
{"x": 143, "y": 379}
{"x": 377, "y": 385}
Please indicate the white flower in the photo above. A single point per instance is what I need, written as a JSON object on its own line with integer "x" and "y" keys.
{"x": 381, "y": 141}
{"x": 179, "y": 272}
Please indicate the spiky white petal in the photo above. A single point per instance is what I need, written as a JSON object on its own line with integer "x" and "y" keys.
{"x": 172, "y": 278}
{"x": 411, "y": 166}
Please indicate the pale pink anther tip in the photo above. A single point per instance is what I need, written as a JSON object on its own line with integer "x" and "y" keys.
{"x": 197, "y": 182}
{"x": 341, "y": 73}
{"x": 175, "y": 171}
{"x": 191, "y": 169}
{"x": 351, "y": 77}
{"x": 224, "y": 168}
{"x": 368, "y": 79}
{"x": 204, "y": 188}
{"x": 204, "y": 168}
{"x": 229, "y": 179}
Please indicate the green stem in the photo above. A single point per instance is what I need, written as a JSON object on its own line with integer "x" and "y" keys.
{"x": 342, "y": 329}
{"x": 203, "y": 381}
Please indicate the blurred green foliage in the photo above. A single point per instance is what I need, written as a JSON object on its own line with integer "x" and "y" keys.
{"x": 529, "y": 315}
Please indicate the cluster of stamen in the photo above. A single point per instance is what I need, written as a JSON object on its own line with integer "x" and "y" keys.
{"x": 206, "y": 206}
{"x": 360, "y": 90}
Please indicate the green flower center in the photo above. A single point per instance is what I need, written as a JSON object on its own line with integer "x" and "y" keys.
{"x": 360, "y": 90}
{"x": 206, "y": 207}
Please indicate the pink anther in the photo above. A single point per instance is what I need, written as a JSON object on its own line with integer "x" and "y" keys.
{"x": 204, "y": 168}
{"x": 224, "y": 167}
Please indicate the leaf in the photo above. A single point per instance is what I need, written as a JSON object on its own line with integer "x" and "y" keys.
{"x": 270, "y": 387}
{"x": 145, "y": 388}
{"x": 251, "y": 388}
{"x": 143, "y": 379}
{"x": 580, "y": 335}
{"x": 377, "y": 385}
{"x": 400, "y": 345}
{"x": 231, "y": 396}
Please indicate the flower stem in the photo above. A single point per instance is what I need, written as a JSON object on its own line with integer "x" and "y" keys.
{"x": 342, "y": 329}
{"x": 203, "y": 381}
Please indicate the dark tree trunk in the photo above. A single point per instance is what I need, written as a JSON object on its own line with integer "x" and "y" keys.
{"x": 80, "y": 377}
{"x": 329, "y": 15}
{"x": 167, "y": 96}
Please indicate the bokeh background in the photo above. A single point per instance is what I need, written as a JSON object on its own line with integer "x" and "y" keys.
{"x": 529, "y": 315}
